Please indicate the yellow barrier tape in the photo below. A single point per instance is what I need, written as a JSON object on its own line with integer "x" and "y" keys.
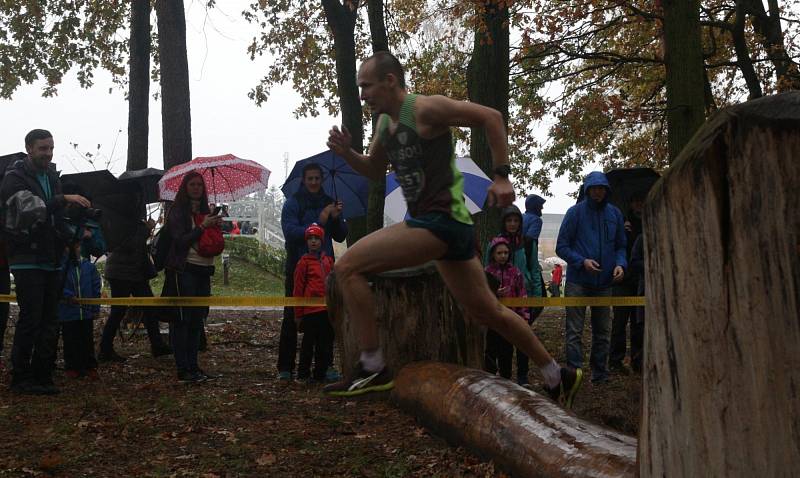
{"x": 277, "y": 301}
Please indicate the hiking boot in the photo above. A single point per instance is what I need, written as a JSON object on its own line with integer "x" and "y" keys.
{"x": 564, "y": 392}
{"x": 110, "y": 356}
{"x": 207, "y": 375}
{"x": 27, "y": 388}
{"x": 185, "y": 376}
{"x": 361, "y": 382}
{"x": 160, "y": 350}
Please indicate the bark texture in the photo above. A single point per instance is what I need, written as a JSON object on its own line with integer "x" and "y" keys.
{"x": 521, "y": 431}
{"x": 176, "y": 117}
{"x": 722, "y": 364}
{"x": 139, "y": 85}
{"x": 683, "y": 57}
{"x": 487, "y": 84}
{"x": 418, "y": 319}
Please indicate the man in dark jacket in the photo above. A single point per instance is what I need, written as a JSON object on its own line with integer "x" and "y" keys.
{"x": 626, "y": 288}
{"x": 34, "y": 256}
{"x": 592, "y": 242}
{"x": 309, "y": 205}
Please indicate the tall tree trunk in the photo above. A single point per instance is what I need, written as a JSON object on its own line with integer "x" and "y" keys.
{"x": 683, "y": 57}
{"x": 341, "y": 20}
{"x": 743, "y": 54}
{"x": 139, "y": 85}
{"x": 487, "y": 84}
{"x": 768, "y": 27}
{"x": 722, "y": 246}
{"x": 380, "y": 42}
{"x": 176, "y": 119}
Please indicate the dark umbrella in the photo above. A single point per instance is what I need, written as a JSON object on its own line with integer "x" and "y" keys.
{"x": 338, "y": 180}
{"x": 626, "y": 183}
{"x": 146, "y": 179}
{"x": 120, "y": 202}
{"x": 7, "y": 160}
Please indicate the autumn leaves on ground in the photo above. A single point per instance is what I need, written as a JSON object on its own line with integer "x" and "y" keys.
{"x": 139, "y": 421}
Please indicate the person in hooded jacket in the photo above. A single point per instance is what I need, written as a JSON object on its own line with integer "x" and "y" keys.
{"x": 307, "y": 206}
{"x": 510, "y": 283}
{"x": 622, "y": 315}
{"x": 531, "y": 229}
{"x": 309, "y": 281}
{"x": 592, "y": 241}
{"x": 511, "y": 222}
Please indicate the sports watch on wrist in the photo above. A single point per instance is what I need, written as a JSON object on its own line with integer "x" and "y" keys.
{"x": 503, "y": 170}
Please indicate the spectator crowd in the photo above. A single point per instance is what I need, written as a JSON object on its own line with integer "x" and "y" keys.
{"x": 50, "y": 245}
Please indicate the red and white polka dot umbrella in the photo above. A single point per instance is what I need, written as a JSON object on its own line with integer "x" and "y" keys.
{"x": 227, "y": 177}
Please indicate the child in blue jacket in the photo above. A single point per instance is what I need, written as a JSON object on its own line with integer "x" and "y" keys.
{"x": 81, "y": 281}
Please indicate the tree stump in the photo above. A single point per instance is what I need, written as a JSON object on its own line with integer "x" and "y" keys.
{"x": 722, "y": 364}
{"x": 418, "y": 319}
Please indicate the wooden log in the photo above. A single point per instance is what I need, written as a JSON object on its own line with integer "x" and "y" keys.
{"x": 523, "y": 432}
{"x": 722, "y": 245}
{"x": 418, "y": 319}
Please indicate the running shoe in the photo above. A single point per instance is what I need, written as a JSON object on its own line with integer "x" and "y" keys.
{"x": 361, "y": 382}
{"x": 564, "y": 393}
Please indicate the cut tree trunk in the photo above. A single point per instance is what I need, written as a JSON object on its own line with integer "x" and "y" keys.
{"x": 521, "y": 431}
{"x": 722, "y": 364}
{"x": 418, "y": 319}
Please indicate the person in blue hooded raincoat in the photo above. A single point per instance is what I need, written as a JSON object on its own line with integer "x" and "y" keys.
{"x": 592, "y": 241}
{"x": 308, "y": 205}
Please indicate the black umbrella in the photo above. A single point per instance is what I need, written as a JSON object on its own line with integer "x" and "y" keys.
{"x": 147, "y": 181}
{"x": 119, "y": 201}
{"x": 7, "y": 160}
{"x": 628, "y": 183}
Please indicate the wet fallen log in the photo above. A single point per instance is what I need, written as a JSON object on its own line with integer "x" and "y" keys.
{"x": 523, "y": 432}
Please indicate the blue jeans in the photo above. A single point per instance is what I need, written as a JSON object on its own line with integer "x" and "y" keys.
{"x": 194, "y": 281}
{"x": 601, "y": 331}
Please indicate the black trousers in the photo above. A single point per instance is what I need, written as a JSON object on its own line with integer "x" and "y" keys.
{"x": 287, "y": 346}
{"x": 33, "y": 355}
{"x": 499, "y": 354}
{"x": 619, "y": 325}
{"x": 317, "y": 344}
{"x": 78, "y": 337}
{"x": 126, "y": 288}
{"x": 5, "y": 288}
{"x": 194, "y": 281}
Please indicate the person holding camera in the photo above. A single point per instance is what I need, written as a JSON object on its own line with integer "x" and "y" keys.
{"x": 196, "y": 238}
{"x": 36, "y": 237}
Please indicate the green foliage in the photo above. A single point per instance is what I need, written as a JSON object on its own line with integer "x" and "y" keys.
{"x": 44, "y": 40}
{"x": 267, "y": 257}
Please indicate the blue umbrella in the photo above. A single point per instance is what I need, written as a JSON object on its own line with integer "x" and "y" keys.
{"x": 338, "y": 181}
{"x": 476, "y": 188}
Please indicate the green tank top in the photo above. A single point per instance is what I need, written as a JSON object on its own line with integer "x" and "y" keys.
{"x": 425, "y": 168}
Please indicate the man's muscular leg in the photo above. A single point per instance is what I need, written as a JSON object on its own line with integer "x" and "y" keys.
{"x": 389, "y": 248}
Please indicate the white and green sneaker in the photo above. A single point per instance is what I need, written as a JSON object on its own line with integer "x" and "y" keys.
{"x": 361, "y": 382}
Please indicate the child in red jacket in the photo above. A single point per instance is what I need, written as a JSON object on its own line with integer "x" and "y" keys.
{"x": 309, "y": 281}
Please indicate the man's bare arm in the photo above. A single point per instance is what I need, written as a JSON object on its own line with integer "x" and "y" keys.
{"x": 436, "y": 113}
{"x": 439, "y": 112}
{"x": 371, "y": 165}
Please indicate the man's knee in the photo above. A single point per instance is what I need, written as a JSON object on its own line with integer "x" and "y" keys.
{"x": 345, "y": 268}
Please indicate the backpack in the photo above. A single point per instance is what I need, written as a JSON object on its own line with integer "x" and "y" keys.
{"x": 159, "y": 249}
